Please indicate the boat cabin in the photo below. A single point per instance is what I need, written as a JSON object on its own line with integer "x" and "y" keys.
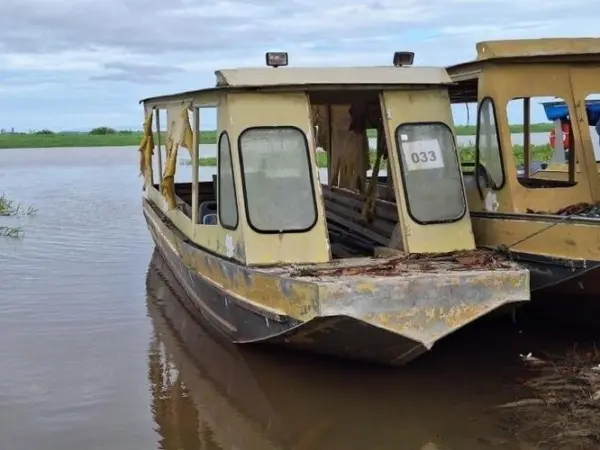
{"x": 513, "y": 203}
{"x": 521, "y": 71}
{"x": 275, "y": 125}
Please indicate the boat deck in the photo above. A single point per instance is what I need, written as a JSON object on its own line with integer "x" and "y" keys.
{"x": 398, "y": 265}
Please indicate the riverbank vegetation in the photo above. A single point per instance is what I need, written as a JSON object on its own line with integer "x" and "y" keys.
{"x": 541, "y": 153}
{"x": 9, "y": 208}
{"x": 563, "y": 410}
{"x": 98, "y": 137}
{"x": 109, "y": 137}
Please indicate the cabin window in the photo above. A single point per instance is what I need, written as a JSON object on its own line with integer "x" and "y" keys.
{"x": 277, "y": 179}
{"x": 430, "y": 173}
{"x": 541, "y": 134}
{"x": 227, "y": 205}
{"x": 488, "y": 144}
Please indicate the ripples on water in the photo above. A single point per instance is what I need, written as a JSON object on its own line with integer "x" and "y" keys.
{"x": 96, "y": 351}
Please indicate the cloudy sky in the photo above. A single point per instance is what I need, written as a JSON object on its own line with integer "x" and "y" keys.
{"x": 77, "y": 64}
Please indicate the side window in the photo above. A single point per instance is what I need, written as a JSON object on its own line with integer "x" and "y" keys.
{"x": 227, "y": 204}
{"x": 488, "y": 144}
{"x": 277, "y": 178}
{"x": 431, "y": 173}
{"x": 540, "y": 131}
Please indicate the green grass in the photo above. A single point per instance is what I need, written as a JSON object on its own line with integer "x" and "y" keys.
{"x": 467, "y": 154}
{"x": 117, "y": 139}
{"x": 470, "y": 130}
{"x": 9, "y": 208}
{"x": 113, "y": 138}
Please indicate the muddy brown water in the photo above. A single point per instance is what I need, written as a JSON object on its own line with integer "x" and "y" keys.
{"x": 97, "y": 350}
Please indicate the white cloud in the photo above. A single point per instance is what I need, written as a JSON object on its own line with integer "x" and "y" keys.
{"x": 110, "y": 53}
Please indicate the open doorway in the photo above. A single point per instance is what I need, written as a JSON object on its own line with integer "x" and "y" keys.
{"x": 353, "y": 166}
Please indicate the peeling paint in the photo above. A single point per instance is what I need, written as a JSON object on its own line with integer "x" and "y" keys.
{"x": 229, "y": 248}
{"x": 491, "y": 201}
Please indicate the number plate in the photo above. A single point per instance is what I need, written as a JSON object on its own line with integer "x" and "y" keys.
{"x": 423, "y": 155}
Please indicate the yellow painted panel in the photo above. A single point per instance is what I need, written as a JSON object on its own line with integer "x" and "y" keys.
{"x": 505, "y": 82}
{"x": 422, "y": 106}
{"x": 253, "y": 288}
{"x": 586, "y": 81}
{"x": 276, "y": 109}
{"x": 566, "y": 240}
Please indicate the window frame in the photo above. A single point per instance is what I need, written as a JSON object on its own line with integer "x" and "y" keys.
{"x": 403, "y": 179}
{"x": 498, "y": 141}
{"x": 237, "y": 222}
{"x": 559, "y": 183}
{"x": 310, "y": 174}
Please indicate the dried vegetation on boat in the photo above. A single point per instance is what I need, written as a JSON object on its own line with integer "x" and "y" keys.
{"x": 477, "y": 259}
{"x": 579, "y": 209}
{"x": 564, "y": 412}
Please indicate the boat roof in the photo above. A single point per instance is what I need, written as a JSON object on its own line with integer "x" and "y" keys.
{"x": 552, "y": 50}
{"x": 529, "y": 50}
{"x": 308, "y": 78}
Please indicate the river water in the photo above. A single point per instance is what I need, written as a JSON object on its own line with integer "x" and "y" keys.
{"x": 97, "y": 353}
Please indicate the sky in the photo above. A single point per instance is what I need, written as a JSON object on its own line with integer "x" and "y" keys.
{"x": 79, "y": 64}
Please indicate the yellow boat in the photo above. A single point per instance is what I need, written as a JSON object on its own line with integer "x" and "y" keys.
{"x": 541, "y": 217}
{"x": 281, "y": 259}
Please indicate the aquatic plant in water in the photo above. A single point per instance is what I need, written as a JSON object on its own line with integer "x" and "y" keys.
{"x": 9, "y": 208}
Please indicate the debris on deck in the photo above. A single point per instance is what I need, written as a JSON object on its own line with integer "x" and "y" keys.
{"x": 564, "y": 412}
{"x": 478, "y": 259}
{"x": 579, "y": 209}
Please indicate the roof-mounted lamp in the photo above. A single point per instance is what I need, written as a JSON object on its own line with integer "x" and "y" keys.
{"x": 276, "y": 59}
{"x": 403, "y": 58}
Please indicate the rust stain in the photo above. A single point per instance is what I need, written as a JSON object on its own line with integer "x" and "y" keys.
{"x": 459, "y": 315}
{"x": 365, "y": 287}
{"x": 304, "y": 334}
{"x": 298, "y": 299}
{"x": 421, "y": 319}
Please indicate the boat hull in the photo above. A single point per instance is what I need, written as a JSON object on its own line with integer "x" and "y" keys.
{"x": 571, "y": 296}
{"x": 567, "y": 291}
{"x": 390, "y": 321}
{"x": 554, "y": 276}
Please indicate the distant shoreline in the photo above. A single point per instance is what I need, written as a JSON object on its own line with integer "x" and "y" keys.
{"x": 467, "y": 155}
{"x": 48, "y": 139}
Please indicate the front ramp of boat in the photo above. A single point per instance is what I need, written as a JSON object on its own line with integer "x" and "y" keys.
{"x": 393, "y": 320}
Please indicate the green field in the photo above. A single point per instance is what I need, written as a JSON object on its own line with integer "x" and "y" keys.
{"x": 467, "y": 154}
{"x": 112, "y": 138}
{"x": 117, "y": 139}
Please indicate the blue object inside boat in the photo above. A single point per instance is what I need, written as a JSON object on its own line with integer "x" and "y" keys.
{"x": 559, "y": 110}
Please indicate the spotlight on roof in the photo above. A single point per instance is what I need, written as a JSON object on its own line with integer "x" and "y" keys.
{"x": 403, "y": 58}
{"x": 276, "y": 59}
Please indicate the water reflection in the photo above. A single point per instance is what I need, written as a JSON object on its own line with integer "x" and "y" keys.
{"x": 209, "y": 394}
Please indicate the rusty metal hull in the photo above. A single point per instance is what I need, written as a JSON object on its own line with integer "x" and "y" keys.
{"x": 390, "y": 320}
